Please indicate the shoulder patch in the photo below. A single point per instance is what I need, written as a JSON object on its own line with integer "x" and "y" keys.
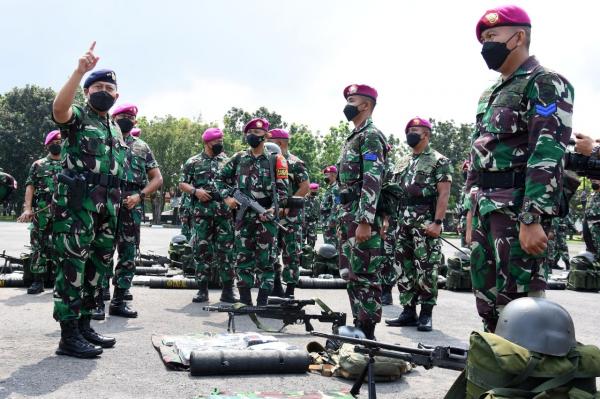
{"x": 370, "y": 156}
{"x": 281, "y": 168}
{"x": 545, "y": 111}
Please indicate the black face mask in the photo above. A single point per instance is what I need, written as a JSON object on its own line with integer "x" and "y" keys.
{"x": 351, "y": 111}
{"x": 125, "y": 124}
{"x": 495, "y": 53}
{"x": 54, "y": 149}
{"x": 217, "y": 149}
{"x": 412, "y": 139}
{"x": 595, "y": 186}
{"x": 313, "y": 194}
{"x": 253, "y": 140}
{"x": 101, "y": 101}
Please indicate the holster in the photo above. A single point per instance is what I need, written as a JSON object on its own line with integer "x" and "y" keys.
{"x": 76, "y": 188}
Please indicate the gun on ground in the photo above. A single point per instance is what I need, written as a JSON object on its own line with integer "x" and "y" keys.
{"x": 11, "y": 263}
{"x": 289, "y": 311}
{"x": 447, "y": 357}
{"x": 149, "y": 259}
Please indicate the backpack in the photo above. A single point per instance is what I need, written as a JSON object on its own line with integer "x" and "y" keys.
{"x": 584, "y": 274}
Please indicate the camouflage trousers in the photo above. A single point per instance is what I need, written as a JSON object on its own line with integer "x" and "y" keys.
{"x": 419, "y": 257}
{"x": 186, "y": 229}
{"x": 309, "y": 232}
{"x": 255, "y": 252}
{"x": 289, "y": 244}
{"x": 41, "y": 242}
{"x": 128, "y": 242}
{"x": 330, "y": 233}
{"x": 594, "y": 227}
{"x": 388, "y": 274}
{"x": 84, "y": 247}
{"x": 561, "y": 248}
{"x": 212, "y": 244}
{"x": 500, "y": 270}
{"x": 364, "y": 262}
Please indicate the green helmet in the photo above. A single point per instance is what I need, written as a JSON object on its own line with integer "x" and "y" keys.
{"x": 345, "y": 331}
{"x": 538, "y": 325}
{"x": 583, "y": 261}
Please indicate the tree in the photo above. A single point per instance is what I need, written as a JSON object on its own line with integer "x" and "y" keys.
{"x": 332, "y": 144}
{"x": 25, "y": 119}
{"x": 304, "y": 145}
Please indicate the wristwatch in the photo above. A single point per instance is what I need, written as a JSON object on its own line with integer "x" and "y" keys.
{"x": 193, "y": 192}
{"x": 142, "y": 196}
{"x": 528, "y": 218}
{"x": 438, "y": 221}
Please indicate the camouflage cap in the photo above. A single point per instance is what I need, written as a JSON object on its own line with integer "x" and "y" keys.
{"x": 509, "y": 15}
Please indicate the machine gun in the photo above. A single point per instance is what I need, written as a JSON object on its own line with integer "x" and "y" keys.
{"x": 11, "y": 263}
{"x": 289, "y": 311}
{"x": 150, "y": 259}
{"x": 447, "y": 357}
{"x": 246, "y": 202}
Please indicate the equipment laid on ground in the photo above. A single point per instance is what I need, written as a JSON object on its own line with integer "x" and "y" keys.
{"x": 173, "y": 283}
{"x": 458, "y": 277}
{"x": 289, "y": 311}
{"x": 19, "y": 264}
{"x": 323, "y": 281}
{"x": 220, "y": 362}
{"x": 325, "y": 260}
{"x": 584, "y": 274}
{"x": 218, "y": 394}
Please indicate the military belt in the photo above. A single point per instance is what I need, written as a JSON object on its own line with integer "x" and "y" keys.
{"x": 428, "y": 200}
{"x": 102, "y": 179}
{"x": 131, "y": 186}
{"x": 501, "y": 179}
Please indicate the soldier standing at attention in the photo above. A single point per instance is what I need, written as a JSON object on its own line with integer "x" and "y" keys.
{"x": 361, "y": 172}
{"x": 86, "y": 203}
{"x": 425, "y": 181}
{"x": 40, "y": 186}
{"x": 212, "y": 222}
{"x": 262, "y": 177}
{"x": 291, "y": 217}
{"x": 329, "y": 206}
{"x": 515, "y": 179}
{"x": 312, "y": 212}
{"x": 142, "y": 178}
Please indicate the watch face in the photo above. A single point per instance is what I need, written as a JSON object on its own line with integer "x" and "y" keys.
{"x": 527, "y": 218}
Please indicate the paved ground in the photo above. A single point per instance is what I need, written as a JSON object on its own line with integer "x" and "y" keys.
{"x": 29, "y": 336}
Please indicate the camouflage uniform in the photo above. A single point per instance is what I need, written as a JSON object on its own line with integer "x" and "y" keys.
{"x": 254, "y": 240}
{"x": 592, "y": 216}
{"x": 84, "y": 238}
{"x": 329, "y": 213}
{"x": 7, "y": 185}
{"x": 140, "y": 161}
{"x": 557, "y": 245}
{"x": 361, "y": 172}
{"x": 388, "y": 275}
{"x": 523, "y": 126}
{"x": 418, "y": 254}
{"x": 464, "y": 206}
{"x": 311, "y": 220}
{"x": 184, "y": 216}
{"x": 42, "y": 177}
{"x": 289, "y": 242}
{"x": 212, "y": 223}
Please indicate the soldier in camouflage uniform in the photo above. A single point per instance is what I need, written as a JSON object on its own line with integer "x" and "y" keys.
{"x": 184, "y": 215}
{"x": 8, "y": 184}
{"x": 289, "y": 243}
{"x": 142, "y": 178}
{"x": 557, "y": 244}
{"x": 312, "y": 212}
{"x": 40, "y": 186}
{"x": 212, "y": 222}
{"x": 361, "y": 171}
{"x": 463, "y": 207}
{"x": 86, "y": 203}
{"x": 263, "y": 177}
{"x": 329, "y": 207}
{"x": 592, "y": 217}
{"x": 515, "y": 178}
{"x": 425, "y": 179}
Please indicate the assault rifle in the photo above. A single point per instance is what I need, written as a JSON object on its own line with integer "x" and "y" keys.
{"x": 149, "y": 259}
{"x": 289, "y": 311}
{"x": 11, "y": 263}
{"x": 447, "y": 357}
{"x": 246, "y": 202}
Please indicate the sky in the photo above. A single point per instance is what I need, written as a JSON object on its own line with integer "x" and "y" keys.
{"x": 200, "y": 58}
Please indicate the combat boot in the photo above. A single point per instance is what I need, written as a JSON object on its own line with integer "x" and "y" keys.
{"x": 37, "y": 287}
{"x": 277, "y": 287}
{"x": 263, "y": 297}
{"x": 118, "y": 306}
{"x": 128, "y": 296}
{"x": 98, "y": 313}
{"x": 289, "y": 291}
{"x": 408, "y": 318}
{"x": 227, "y": 294}
{"x": 386, "y": 295}
{"x": 92, "y": 336}
{"x": 367, "y": 327}
{"x": 245, "y": 295}
{"x": 72, "y": 342}
{"x": 202, "y": 294}
{"x": 425, "y": 321}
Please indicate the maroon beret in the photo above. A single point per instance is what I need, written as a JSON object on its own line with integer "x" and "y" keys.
{"x": 279, "y": 134}
{"x": 257, "y": 123}
{"x": 360, "y": 90}
{"x": 502, "y": 16}
{"x": 417, "y": 122}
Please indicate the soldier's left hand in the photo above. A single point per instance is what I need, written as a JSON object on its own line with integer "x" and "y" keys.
{"x": 532, "y": 238}
{"x": 433, "y": 230}
{"x": 26, "y": 216}
{"x": 265, "y": 217}
{"x": 132, "y": 200}
{"x": 363, "y": 232}
{"x": 384, "y": 227}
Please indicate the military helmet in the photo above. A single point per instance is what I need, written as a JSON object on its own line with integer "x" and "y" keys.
{"x": 345, "y": 331}
{"x": 179, "y": 239}
{"x": 464, "y": 254}
{"x": 538, "y": 325}
{"x": 327, "y": 251}
{"x": 583, "y": 261}
{"x": 272, "y": 148}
